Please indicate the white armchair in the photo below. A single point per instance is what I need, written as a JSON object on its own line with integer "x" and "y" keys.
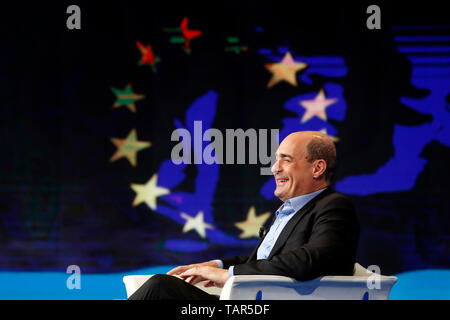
{"x": 268, "y": 287}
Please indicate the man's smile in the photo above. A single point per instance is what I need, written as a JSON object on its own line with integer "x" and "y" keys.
{"x": 281, "y": 181}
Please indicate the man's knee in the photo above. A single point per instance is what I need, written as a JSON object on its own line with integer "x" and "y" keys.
{"x": 158, "y": 279}
{"x": 158, "y": 282}
{"x": 151, "y": 288}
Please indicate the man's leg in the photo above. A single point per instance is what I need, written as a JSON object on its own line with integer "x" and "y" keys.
{"x": 165, "y": 287}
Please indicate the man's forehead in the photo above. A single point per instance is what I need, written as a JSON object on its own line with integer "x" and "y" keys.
{"x": 291, "y": 147}
{"x": 291, "y": 151}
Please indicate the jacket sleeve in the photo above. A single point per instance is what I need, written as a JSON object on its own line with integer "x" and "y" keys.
{"x": 331, "y": 248}
{"x": 236, "y": 260}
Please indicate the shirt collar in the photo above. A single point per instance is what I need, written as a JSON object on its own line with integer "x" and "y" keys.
{"x": 295, "y": 204}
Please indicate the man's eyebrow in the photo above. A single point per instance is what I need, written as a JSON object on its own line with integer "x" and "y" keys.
{"x": 283, "y": 155}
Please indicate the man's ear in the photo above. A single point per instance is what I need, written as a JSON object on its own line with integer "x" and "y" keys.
{"x": 319, "y": 167}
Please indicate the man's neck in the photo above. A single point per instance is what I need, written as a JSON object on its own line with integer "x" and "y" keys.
{"x": 318, "y": 187}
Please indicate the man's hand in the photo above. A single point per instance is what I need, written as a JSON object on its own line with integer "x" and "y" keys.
{"x": 194, "y": 279}
{"x": 215, "y": 276}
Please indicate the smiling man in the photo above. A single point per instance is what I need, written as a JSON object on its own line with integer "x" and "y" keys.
{"x": 314, "y": 232}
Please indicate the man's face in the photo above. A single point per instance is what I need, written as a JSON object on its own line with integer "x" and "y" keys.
{"x": 292, "y": 172}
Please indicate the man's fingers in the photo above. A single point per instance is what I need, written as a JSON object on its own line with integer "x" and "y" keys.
{"x": 178, "y": 270}
{"x": 195, "y": 280}
{"x": 190, "y": 272}
{"x": 218, "y": 277}
{"x": 208, "y": 283}
{"x": 191, "y": 279}
{"x": 196, "y": 274}
{"x": 173, "y": 271}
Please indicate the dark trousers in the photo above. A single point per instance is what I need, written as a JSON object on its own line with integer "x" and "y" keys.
{"x": 165, "y": 287}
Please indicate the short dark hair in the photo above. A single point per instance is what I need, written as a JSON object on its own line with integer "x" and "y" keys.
{"x": 317, "y": 149}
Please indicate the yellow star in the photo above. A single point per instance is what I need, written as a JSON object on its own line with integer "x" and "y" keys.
{"x": 285, "y": 70}
{"x": 316, "y": 107}
{"x": 148, "y": 192}
{"x": 251, "y": 226}
{"x": 129, "y": 147}
{"x": 196, "y": 223}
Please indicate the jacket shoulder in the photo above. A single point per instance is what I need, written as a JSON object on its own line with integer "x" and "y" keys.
{"x": 334, "y": 199}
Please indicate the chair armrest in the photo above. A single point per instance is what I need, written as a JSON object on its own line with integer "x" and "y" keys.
{"x": 269, "y": 287}
{"x": 134, "y": 282}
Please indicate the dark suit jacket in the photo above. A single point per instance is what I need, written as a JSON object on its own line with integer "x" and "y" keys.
{"x": 320, "y": 239}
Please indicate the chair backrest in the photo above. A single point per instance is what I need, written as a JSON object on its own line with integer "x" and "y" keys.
{"x": 379, "y": 286}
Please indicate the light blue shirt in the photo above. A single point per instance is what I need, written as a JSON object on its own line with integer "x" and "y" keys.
{"x": 283, "y": 215}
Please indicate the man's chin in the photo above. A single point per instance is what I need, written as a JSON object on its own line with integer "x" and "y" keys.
{"x": 278, "y": 194}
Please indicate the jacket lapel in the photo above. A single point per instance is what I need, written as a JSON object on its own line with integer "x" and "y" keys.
{"x": 284, "y": 235}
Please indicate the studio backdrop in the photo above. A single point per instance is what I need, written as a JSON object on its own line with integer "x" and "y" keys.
{"x": 136, "y": 136}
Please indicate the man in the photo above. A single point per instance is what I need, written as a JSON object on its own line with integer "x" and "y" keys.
{"x": 315, "y": 232}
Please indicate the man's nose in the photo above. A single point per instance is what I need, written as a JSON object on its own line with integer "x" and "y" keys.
{"x": 275, "y": 168}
